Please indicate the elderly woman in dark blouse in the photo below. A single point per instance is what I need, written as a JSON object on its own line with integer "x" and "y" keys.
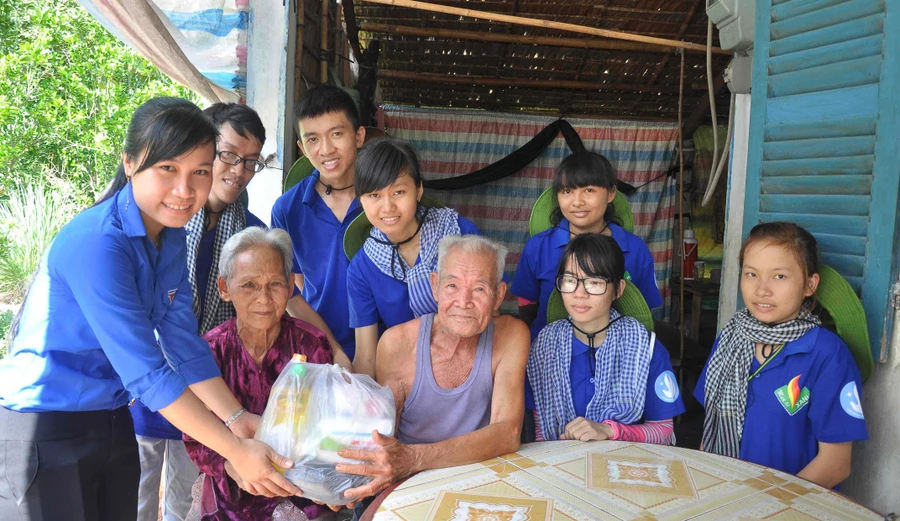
{"x": 252, "y": 349}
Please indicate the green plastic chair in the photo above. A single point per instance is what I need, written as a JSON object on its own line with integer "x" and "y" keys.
{"x": 359, "y": 229}
{"x": 299, "y": 171}
{"x": 837, "y": 297}
{"x": 546, "y": 203}
{"x": 631, "y": 304}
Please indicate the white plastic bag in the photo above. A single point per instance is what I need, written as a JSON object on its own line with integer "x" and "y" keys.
{"x": 315, "y": 411}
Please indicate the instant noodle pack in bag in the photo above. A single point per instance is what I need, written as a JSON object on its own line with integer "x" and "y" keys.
{"x": 314, "y": 412}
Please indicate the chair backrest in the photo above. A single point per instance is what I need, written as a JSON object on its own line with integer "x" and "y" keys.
{"x": 837, "y": 297}
{"x": 358, "y": 230}
{"x": 301, "y": 168}
{"x": 546, "y": 203}
{"x": 631, "y": 304}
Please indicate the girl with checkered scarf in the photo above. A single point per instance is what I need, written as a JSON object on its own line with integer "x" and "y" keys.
{"x": 599, "y": 375}
{"x": 780, "y": 390}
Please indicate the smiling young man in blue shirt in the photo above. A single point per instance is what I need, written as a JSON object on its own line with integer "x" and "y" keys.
{"x": 317, "y": 211}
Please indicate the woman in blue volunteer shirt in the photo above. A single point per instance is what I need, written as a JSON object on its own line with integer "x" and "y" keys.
{"x": 599, "y": 375}
{"x": 238, "y": 147}
{"x": 779, "y": 389}
{"x": 388, "y": 281}
{"x": 585, "y": 186}
{"x": 108, "y": 317}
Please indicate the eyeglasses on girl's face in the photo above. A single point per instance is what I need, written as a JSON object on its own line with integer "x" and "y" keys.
{"x": 592, "y": 285}
{"x": 230, "y": 158}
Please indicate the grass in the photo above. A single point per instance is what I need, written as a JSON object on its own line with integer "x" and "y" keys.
{"x": 29, "y": 219}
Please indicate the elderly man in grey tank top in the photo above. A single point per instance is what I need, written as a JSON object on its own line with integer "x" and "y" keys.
{"x": 458, "y": 375}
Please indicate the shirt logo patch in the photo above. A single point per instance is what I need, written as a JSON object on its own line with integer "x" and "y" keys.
{"x": 850, "y": 401}
{"x": 791, "y": 397}
{"x": 666, "y": 387}
{"x": 628, "y": 276}
{"x": 172, "y": 293}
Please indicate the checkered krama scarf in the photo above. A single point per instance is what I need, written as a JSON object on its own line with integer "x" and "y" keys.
{"x": 725, "y": 394}
{"x": 232, "y": 220}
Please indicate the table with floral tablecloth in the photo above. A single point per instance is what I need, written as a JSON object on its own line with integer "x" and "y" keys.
{"x": 571, "y": 480}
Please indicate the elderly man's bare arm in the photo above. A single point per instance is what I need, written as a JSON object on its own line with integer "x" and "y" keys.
{"x": 398, "y": 461}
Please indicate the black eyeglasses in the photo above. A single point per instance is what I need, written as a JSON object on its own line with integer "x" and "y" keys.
{"x": 230, "y": 158}
{"x": 592, "y": 285}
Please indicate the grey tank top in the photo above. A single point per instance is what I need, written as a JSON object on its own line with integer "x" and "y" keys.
{"x": 431, "y": 413}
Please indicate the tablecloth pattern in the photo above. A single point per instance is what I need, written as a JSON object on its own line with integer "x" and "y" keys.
{"x": 572, "y": 480}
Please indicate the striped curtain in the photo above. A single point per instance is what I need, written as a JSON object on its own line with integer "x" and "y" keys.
{"x": 452, "y": 143}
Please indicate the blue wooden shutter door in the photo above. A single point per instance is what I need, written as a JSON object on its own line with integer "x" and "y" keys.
{"x": 824, "y": 127}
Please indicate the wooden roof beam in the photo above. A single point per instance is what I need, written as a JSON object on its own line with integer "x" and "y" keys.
{"x": 522, "y": 82}
{"x": 546, "y": 24}
{"x": 578, "y": 43}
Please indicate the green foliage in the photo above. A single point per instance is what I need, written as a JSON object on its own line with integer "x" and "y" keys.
{"x": 6, "y": 318}
{"x": 68, "y": 89}
{"x": 29, "y": 219}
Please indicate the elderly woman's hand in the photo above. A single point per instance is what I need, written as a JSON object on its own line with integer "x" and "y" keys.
{"x": 245, "y": 425}
{"x": 255, "y": 473}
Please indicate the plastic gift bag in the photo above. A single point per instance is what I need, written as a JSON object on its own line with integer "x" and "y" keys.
{"x": 315, "y": 411}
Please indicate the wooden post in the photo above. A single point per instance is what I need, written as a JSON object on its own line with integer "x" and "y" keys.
{"x": 323, "y": 43}
{"x": 546, "y": 24}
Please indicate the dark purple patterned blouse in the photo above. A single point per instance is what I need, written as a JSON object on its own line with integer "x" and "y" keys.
{"x": 251, "y": 384}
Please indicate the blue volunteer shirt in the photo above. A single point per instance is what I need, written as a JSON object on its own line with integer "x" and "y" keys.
{"x": 535, "y": 277}
{"x": 86, "y": 339}
{"x": 377, "y": 297}
{"x": 152, "y": 424}
{"x": 663, "y": 397}
{"x": 782, "y": 428}
{"x": 318, "y": 239}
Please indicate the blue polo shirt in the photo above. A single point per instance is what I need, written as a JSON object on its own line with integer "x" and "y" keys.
{"x": 318, "y": 239}
{"x": 663, "y": 397}
{"x": 535, "y": 277}
{"x": 376, "y": 297}
{"x": 87, "y": 338}
{"x": 784, "y": 435}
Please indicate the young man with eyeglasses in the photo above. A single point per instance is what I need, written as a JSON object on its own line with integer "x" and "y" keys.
{"x": 241, "y": 138}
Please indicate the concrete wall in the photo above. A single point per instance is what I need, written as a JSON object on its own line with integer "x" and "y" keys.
{"x": 875, "y": 479}
{"x": 269, "y": 91}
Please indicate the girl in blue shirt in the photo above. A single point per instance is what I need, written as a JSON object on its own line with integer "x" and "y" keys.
{"x": 107, "y": 318}
{"x": 780, "y": 390}
{"x": 599, "y": 375}
{"x": 388, "y": 280}
{"x": 585, "y": 186}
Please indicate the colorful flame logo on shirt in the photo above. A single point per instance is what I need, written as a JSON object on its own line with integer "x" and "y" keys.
{"x": 793, "y": 390}
{"x": 791, "y": 396}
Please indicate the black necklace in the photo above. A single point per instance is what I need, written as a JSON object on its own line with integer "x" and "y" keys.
{"x": 591, "y": 336}
{"x": 572, "y": 234}
{"x": 329, "y": 188}
{"x": 395, "y": 247}
{"x": 207, "y": 212}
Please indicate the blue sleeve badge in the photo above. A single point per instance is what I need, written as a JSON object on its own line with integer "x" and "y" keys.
{"x": 850, "y": 401}
{"x": 667, "y": 387}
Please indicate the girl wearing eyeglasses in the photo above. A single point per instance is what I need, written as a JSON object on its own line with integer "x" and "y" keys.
{"x": 585, "y": 186}
{"x": 599, "y": 375}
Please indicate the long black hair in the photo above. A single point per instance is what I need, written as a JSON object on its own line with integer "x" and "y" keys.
{"x": 597, "y": 255}
{"x": 161, "y": 129}
{"x": 582, "y": 169}
{"x": 381, "y": 161}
